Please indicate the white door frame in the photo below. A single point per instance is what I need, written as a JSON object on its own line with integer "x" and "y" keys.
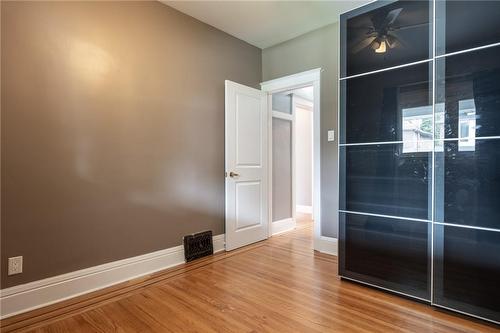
{"x": 295, "y": 81}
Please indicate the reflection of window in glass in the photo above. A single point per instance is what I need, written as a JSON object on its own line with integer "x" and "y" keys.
{"x": 417, "y": 129}
{"x": 439, "y": 127}
{"x": 439, "y": 119}
{"x": 466, "y": 125}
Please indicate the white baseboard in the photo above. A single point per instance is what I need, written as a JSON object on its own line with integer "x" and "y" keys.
{"x": 37, "y": 294}
{"x": 304, "y": 209}
{"x": 282, "y": 226}
{"x": 328, "y": 245}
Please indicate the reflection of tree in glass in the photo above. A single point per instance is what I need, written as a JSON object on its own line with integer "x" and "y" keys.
{"x": 426, "y": 125}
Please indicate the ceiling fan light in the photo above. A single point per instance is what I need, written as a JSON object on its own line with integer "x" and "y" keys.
{"x": 375, "y": 45}
{"x": 382, "y": 47}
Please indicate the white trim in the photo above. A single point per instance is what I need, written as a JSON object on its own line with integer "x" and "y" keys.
{"x": 328, "y": 245}
{"x": 282, "y": 115}
{"x": 281, "y": 226}
{"x": 290, "y": 82}
{"x": 270, "y": 164}
{"x": 304, "y": 209}
{"x": 299, "y": 80}
{"x": 303, "y": 103}
{"x": 294, "y": 158}
{"x": 37, "y": 294}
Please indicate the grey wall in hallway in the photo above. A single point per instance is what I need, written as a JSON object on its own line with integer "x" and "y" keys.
{"x": 312, "y": 50}
{"x": 282, "y": 169}
{"x": 112, "y": 130}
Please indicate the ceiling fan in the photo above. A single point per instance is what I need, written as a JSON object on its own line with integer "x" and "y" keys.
{"x": 382, "y": 33}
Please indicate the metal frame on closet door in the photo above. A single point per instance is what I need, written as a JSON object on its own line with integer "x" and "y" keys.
{"x": 432, "y": 221}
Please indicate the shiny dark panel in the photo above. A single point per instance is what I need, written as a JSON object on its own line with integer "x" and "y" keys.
{"x": 467, "y": 270}
{"x": 468, "y": 190}
{"x": 393, "y": 105}
{"x": 384, "y": 179}
{"x": 462, "y": 25}
{"x": 468, "y": 90}
{"x": 403, "y": 27}
{"x": 389, "y": 253}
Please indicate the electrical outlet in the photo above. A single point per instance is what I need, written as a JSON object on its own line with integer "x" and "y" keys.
{"x": 15, "y": 265}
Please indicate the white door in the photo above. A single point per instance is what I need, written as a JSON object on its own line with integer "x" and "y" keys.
{"x": 246, "y": 165}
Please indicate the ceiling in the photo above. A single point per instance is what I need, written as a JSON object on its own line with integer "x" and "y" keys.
{"x": 265, "y": 23}
{"x": 306, "y": 93}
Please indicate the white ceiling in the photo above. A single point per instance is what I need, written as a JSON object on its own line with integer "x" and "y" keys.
{"x": 266, "y": 23}
{"x": 306, "y": 93}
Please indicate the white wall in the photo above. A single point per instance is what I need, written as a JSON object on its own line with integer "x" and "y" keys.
{"x": 304, "y": 156}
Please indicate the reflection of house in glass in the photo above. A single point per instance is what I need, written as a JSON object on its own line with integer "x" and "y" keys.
{"x": 417, "y": 129}
{"x": 466, "y": 125}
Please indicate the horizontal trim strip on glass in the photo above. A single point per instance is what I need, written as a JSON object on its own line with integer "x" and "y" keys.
{"x": 380, "y": 143}
{"x": 385, "y": 69}
{"x": 416, "y": 141}
{"x": 468, "y": 50}
{"x": 386, "y": 216}
{"x": 465, "y": 313}
{"x": 421, "y": 61}
{"x": 418, "y": 220}
{"x": 379, "y": 287}
{"x": 466, "y": 226}
{"x": 466, "y": 139}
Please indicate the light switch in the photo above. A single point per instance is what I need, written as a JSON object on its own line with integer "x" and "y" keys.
{"x": 331, "y": 135}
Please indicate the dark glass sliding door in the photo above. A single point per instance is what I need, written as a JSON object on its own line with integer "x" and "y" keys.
{"x": 467, "y": 270}
{"x": 419, "y": 151}
{"x": 387, "y": 252}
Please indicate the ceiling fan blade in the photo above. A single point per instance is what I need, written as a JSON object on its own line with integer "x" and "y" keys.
{"x": 395, "y": 41}
{"x": 392, "y": 41}
{"x": 391, "y": 17}
{"x": 411, "y": 26}
{"x": 375, "y": 44}
{"x": 361, "y": 45}
{"x": 362, "y": 28}
{"x": 368, "y": 30}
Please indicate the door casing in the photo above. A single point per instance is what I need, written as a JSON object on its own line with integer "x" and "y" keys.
{"x": 290, "y": 82}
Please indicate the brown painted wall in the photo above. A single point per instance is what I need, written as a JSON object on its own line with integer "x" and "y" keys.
{"x": 112, "y": 130}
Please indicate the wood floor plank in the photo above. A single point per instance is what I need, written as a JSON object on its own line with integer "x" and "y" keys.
{"x": 280, "y": 285}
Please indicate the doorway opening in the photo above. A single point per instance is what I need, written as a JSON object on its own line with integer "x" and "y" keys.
{"x": 292, "y": 158}
{"x": 294, "y": 152}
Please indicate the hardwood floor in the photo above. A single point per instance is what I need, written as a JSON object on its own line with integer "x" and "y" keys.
{"x": 279, "y": 285}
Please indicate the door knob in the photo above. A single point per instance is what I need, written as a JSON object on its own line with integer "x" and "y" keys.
{"x": 233, "y": 174}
